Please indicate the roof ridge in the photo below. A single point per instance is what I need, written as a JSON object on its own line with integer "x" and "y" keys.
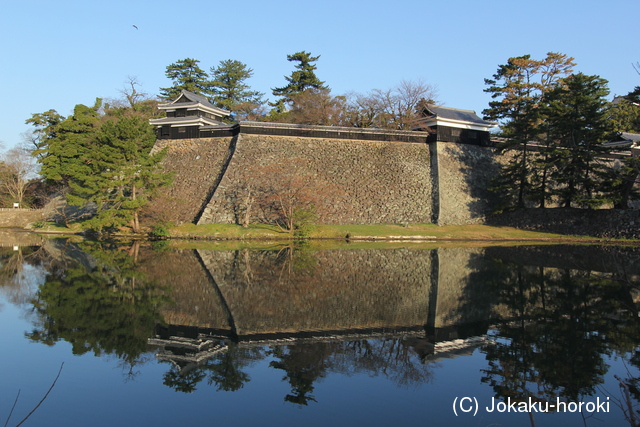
{"x": 453, "y": 108}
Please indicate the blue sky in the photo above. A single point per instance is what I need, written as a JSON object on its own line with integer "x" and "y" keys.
{"x": 63, "y": 53}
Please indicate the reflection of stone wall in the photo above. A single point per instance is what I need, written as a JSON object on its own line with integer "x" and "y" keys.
{"x": 272, "y": 292}
{"x": 195, "y": 299}
{"x": 360, "y": 182}
{"x": 10, "y": 238}
{"x": 251, "y": 292}
{"x": 462, "y": 295}
{"x": 620, "y": 260}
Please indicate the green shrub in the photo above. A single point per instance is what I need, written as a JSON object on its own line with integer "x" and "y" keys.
{"x": 303, "y": 219}
{"x": 160, "y": 230}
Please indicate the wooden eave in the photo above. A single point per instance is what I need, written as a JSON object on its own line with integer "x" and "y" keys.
{"x": 184, "y": 121}
{"x": 460, "y": 124}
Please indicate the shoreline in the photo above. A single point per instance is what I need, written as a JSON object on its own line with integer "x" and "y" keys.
{"x": 418, "y": 233}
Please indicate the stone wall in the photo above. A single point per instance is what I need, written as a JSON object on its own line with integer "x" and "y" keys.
{"x": 610, "y": 223}
{"x": 19, "y": 218}
{"x": 198, "y": 165}
{"x": 464, "y": 173}
{"x": 352, "y": 181}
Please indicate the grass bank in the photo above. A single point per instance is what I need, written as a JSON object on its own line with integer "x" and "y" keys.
{"x": 417, "y": 232}
{"x": 354, "y": 233}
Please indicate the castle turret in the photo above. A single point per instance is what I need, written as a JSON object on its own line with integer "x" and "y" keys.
{"x": 188, "y": 116}
{"x": 454, "y": 125}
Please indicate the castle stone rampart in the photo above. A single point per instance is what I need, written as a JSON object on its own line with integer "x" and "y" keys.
{"x": 198, "y": 165}
{"x": 357, "y": 182}
{"x": 463, "y": 176}
{"x": 353, "y": 181}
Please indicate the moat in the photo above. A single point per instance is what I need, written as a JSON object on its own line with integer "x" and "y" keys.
{"x": 360, "y": 334}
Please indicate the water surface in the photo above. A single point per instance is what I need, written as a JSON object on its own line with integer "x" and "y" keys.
{"x": 143, "y": 334}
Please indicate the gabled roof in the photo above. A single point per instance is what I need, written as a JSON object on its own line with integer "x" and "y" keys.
{"x": 454, "y": 117}
{"x": 186, "y": 96}
{"x": 193, "y": 101}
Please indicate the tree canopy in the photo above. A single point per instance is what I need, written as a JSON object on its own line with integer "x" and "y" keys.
{"x": 517, "y": 89}
{"x": 229, "y": 90}
{"x": 302, "y": 78}
{"x": 101, "y": 158}
{"x": 122, "y": 173}
{"x": 185, "y": 74}
{"x": 555, "y": 124}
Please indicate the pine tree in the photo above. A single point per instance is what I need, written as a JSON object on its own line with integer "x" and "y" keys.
{"x": 65, "y": 151}
{"x": 45, "y": 129}
{"x": 579, "y": 125}
{"x": 229, "y": 89}
{"x": 185, "y": 74}
{"x": 106, "y": 160}
{"x": 123, "y": 172}
{"x": 302, "y": 78}
{"x": 517, "y": 89}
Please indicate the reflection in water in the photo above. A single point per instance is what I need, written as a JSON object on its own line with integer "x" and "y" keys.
{"x": 545, "y": 317}
{"x": 555, "y": 327}
{"x": 98, "y": 301}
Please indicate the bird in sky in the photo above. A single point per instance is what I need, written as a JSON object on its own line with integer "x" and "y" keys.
{"x": 135, "y": 27}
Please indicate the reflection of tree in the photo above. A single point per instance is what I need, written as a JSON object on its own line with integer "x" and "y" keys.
{"x": 305, "y": 364}
{"x": 105, "y": 308}
{"x": 184, "y": 382}
{"x": 553, "y": 334}
{"x": 224, "y": 370}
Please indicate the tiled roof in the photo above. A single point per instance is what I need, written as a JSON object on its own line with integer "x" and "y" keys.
{"x": 635, "y": 137}
{"x": 183, "y": 120}
{"x": 433, "y": 111}
{"x": 192, "y": 100}
{"x": 194, "y": 97}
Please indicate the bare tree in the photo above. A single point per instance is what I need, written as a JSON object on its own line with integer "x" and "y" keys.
{"x": 130, "y": 92}
{"x": 18, "y": 167}
{"x": 395, "y": 108}
{"x": 133, "y": 99}
{"x": 317, "y": 107}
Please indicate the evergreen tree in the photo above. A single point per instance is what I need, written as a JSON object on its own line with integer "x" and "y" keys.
{"x": 122, "y": 173}
{"x": 625, "y": 115}
{"x": 517, "y": 89}
{"x": 302, "y": 78}
{"x": 579, "y": 124}
{"x": 45, "y": 129}
{"x": 185, "y": 74}
{"x": 66, "y": 148}
{"x": 230, "y": 90}
{"x": 106, "y": 160}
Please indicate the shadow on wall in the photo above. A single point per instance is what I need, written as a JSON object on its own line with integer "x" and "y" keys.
{"x": 465, "y": 178}
{"x": 606, "y": 223}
